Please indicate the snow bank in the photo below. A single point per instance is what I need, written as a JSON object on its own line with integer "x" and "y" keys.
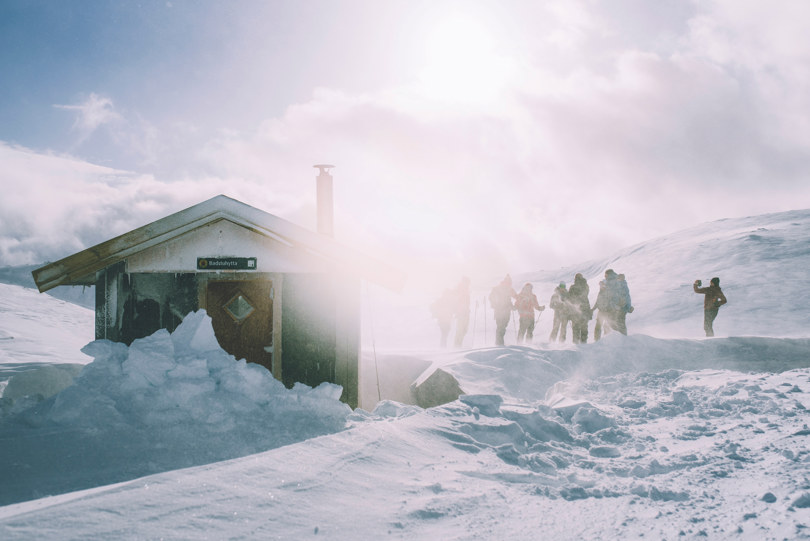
{"x": 165, "y": 402}
{"x": 671, "y": 436}
{"x": 41, "y": 382}
{"x": 526, "y": 374}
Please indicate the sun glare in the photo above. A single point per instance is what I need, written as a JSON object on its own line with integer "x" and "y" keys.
{"x": 462, "y": 64}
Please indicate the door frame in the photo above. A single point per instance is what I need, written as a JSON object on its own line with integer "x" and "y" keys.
{"x": 277, "y": 279}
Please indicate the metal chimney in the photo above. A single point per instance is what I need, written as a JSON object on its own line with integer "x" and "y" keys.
{"x": 323, "y": 189}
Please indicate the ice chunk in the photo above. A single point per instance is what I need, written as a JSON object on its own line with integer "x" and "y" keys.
{"x": 149, "y": 360}
{"x": 195, "y": 334}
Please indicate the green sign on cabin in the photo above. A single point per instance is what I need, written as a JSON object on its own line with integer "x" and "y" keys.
{"x": 226, "y": 263}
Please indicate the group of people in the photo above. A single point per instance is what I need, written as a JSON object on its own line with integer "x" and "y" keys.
{"x": 570, "y": 306}
{"x": 573, "y": 306}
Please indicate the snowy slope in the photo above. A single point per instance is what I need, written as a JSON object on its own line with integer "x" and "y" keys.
{"x": 38, "y": 330}
{"x": 632, "y": 437}
{"x": 761, "y": 261}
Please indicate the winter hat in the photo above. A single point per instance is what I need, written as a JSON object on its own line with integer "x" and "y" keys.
{"x": 562, "y": 285}
{"x": 715, "y": 281}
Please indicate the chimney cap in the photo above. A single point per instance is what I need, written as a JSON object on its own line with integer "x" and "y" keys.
{"x": 323, "y": 167}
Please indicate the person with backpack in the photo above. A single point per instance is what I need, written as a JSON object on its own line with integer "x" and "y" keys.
{"x": 579, "y": 307}
{"x": 526, "y": 303}
{"x": 500, "y": 298}
{"x": 712, "y": 301}
{"x": 613, "y": 303}
{"x": 626, "y": 305}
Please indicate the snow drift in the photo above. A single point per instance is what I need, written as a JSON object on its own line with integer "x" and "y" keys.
{"x": 660, "y": 436}
{"x": 177, "y": 400}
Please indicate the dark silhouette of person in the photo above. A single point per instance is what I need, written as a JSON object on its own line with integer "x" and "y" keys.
{"x": 712, "y": 301}
{"x": 526, "y": 303}
{"x": 579, "y": 309}
{"x": 501, "y": 300}
{"x": 613, "y": 303}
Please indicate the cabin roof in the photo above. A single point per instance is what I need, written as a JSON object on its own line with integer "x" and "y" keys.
{"x": 81, "y": 267}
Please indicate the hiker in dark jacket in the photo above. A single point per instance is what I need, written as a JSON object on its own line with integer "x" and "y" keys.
{"x": 712, "y": 301}
{"x": 579, "y": 309}
{"x": 500, "y": 298}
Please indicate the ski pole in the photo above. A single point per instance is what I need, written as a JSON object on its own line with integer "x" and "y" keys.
{"x": 475, "y": 324}
{"x": 485, "y": 319}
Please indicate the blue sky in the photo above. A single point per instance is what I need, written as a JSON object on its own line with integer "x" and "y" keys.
{"x": 470, "y": 137}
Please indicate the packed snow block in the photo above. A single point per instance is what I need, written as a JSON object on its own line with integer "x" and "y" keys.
{"x": 76, "y": 406}
{"x": 43, "y": 382}
{"x": 195, "y": 334}
{"x": 251, "y": 381}
{"x": 435, "y": 387}
{"x": 149, "y": 360}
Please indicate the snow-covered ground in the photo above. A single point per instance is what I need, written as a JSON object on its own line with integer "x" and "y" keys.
{"x": 658, "y": 435}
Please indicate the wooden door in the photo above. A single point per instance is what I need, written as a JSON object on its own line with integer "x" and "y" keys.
{"x": 242, "y": 317}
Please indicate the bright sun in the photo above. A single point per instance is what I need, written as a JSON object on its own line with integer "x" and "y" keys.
{"x": 462, "y": 64}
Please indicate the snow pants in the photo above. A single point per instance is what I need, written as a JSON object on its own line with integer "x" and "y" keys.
{"x": 579, "y": 328}
{"x": 444, "y": 329}
{"x": 501, "y": 322}
{"x": 620, "y": 322}
{"x": 708, "y": 320}
{"x": 560, "y": 326}
{"x": 526, "y": 329}
{"x": 462, "y": 324}
{"x": 605, "y": 322}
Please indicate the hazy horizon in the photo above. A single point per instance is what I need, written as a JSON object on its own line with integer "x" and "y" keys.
{"x": 469, "y": 137}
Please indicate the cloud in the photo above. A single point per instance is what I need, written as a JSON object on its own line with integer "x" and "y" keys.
{"x": 101, "y": 128}
{"x": 54, "y": 205}
{"x": 605, "y": 134}
{"x": 95, "y": 112}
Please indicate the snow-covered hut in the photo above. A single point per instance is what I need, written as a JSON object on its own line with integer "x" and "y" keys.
{"x": 278, "y": 294}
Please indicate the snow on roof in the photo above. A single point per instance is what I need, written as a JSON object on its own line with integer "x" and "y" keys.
{"x": 80, "y": 268}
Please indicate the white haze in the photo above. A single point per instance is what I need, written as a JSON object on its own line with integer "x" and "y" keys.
{"x": 489, "y": 137}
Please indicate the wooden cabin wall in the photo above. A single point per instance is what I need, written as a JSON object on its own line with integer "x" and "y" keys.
{"x": 348, "y": 339}
{"x": 308, "y": 330}
{"x": 108, "y": 291}
{"x": 321, "y": 332}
